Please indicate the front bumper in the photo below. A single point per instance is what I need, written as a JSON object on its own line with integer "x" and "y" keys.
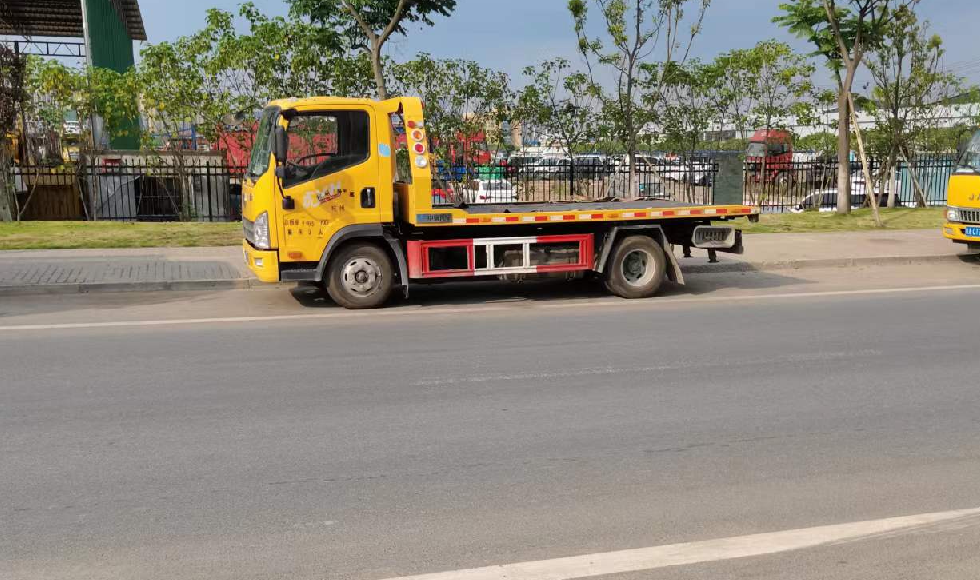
{"x": 263, "y": 263}
{"x": 954, "y": 231}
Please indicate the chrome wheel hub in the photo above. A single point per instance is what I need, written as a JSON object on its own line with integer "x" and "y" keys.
{"x": 361, "y": 276}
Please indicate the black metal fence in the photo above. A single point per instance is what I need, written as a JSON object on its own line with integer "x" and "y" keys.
{"x": 131, "y": 191}
{"x": 689, "y": 181}
{"x": 778, "y": 187}
{"x": 136, "y": 190}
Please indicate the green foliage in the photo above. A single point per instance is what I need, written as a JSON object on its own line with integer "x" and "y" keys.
{"x": 687, "y": 110}
{"x": 632, "y": 31}
{"x": 462, "y": 99}
{"x": 824, "y": 143}
{"x": 367, "y": 24}
{"x": 910, "y": 81}
{"x": 560, "y": 103}
{"x": 93, "y": 92}
{"x": 12, "y": 73}
{"x": 376, "y": 14}
{"x": 763, "y": 86}
{"x": 200, "y": 78}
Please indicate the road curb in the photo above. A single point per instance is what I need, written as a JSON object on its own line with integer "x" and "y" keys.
{"x": 106, "y": 287}
{"x": 827, "y": 263}
{"x": 251, "y": 283}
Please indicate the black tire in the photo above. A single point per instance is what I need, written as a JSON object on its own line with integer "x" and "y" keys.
{"x": 636, "y": 268}
{"x": 360, "y": 276}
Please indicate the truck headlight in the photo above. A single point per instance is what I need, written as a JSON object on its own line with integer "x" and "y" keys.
{"x": 952, "y": 214}
{"x": 261, "y": 235}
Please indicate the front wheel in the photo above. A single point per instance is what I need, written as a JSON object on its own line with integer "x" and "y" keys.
{"x": 637, "y": 268}
{"x": 360, "y": 276}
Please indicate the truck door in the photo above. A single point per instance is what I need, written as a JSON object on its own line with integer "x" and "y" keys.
{"x": 331, "y": 176}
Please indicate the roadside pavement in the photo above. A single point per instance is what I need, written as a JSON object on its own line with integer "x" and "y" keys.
{"x": 154, "y": 269}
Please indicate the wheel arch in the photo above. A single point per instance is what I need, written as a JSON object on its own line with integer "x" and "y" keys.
{"x": 654, "y": 231}
{"x": 371, "y": 233}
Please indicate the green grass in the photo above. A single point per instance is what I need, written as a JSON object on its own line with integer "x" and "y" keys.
{"x": 894, "y": 219}
{"x": 50, "y": 235}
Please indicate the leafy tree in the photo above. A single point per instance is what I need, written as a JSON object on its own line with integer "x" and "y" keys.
{"x": 561, "y": 103}
{"x": 462, "y": 101}
{"x": 764, "y": 86}
{"x": 842, "y": 31}
{"x": 368, "y": 24}
{"x": 909, "y": 83}
{"x": 688, "y": 109}
{"x": 94, "y": 93}
{"x": 634, "y": 30}
{"x": 12, "y": 70}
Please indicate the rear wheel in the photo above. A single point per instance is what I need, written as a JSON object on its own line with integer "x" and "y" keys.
{"x": 360, "y": 276}
{"x": 636, "y": 268}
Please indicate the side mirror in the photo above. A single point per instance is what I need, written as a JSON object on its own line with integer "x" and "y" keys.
{"x": 280, "y": 144}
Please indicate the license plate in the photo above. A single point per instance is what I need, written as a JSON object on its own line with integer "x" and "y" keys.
{"x": 972, "y": 232}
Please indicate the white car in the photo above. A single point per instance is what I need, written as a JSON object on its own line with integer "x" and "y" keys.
{"x": 825, "y": 200}
{"x": 694, "y": 171}
{"x": 489, "y": 191}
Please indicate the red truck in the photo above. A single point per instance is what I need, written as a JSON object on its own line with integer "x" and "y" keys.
{"x": 769, "y": 156}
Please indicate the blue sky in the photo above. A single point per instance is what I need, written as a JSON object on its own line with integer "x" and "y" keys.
{"x": 510, "y": 34}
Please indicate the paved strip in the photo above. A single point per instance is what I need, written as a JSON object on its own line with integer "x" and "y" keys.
{"x": 652, "y": 558}
{"x": 431, "y": 311}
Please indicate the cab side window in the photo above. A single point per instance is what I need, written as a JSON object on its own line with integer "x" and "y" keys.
{"x": 326, "y": 142}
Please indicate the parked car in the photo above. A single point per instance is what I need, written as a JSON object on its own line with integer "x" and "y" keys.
{"x": 591, "y": 166}
{"x": 696, "y": 171}
{"x": 826, "y": 199}
{"x": 442, "y": 193}
{"x": 517, "y": 163}
{"x": 548, "y": 168}
{"x": 480, "y": 191}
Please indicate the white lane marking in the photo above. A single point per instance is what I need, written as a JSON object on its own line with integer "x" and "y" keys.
{"x": 785, "y": 295}
{"x": 609, "y": 370}
{"x": 476, "y": 309}
{"x": 233, "y": 319}
{"x": 652, "y": 558}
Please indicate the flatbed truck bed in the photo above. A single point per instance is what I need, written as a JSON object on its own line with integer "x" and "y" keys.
{"x": 350, "y": 219}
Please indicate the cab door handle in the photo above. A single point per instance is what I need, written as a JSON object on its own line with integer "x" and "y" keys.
{"x": 368, "y": 200}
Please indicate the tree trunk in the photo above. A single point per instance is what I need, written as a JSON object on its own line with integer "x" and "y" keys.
{"x": 920, "y": 196}
{"x": 889, "y": 173}
{"x": 633, "y": 187}
{"x": 379, "y": 73}
{"x": 843, "y": 154}
{"x": 869, "y": 182}
{"x": 6, "y": 183}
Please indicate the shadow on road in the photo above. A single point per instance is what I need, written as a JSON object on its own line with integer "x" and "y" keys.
{"x": 496, "y": 292}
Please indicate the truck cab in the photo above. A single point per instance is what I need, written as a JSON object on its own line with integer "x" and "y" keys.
{"x": 770, "y": 155}
{"x": 336, "y": 171}
{"x": 963, "y": 211}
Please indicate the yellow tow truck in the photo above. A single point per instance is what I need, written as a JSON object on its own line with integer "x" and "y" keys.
{"x": 963, "y": 209}
{"x": 332, "y": 195}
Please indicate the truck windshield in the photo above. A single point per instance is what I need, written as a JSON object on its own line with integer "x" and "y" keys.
{"x": 259, "y": 161}
{"x": 970, "y": 161}
{"x": 756, "y": 150}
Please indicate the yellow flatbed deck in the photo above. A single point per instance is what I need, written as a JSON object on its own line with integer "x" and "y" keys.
{"x": 602, "y": 211}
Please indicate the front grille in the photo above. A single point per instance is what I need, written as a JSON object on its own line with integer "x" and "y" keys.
{"x": 249, "y": 228}
{"x": 970, "y": 216}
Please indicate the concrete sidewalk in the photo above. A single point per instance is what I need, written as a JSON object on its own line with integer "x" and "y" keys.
{"x": 151, "y": 269}
{"x": 146, "y": 269}
{"x": 833, "y": 249}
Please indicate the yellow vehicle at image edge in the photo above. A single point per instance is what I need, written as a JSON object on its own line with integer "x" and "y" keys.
{"x": 330, "y": 197}
{"x": 963, "y": 211}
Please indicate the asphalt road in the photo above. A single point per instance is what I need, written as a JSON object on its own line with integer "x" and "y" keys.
{"x": 309, "y": 443}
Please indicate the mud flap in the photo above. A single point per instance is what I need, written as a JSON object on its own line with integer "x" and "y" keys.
{"x": 674, "y": 273}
